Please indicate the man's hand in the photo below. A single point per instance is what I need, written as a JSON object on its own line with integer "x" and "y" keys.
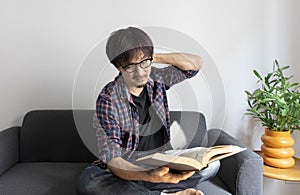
{"x": 163, "y": 174}
{"x": 129, "y": 171}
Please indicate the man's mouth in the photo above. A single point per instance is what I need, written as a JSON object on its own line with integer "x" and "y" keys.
{"x": 139, "y": 78}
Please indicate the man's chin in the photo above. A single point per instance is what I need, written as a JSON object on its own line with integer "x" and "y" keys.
{"x": 141, "y": 86}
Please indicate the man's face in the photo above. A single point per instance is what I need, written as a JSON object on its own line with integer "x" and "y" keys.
{"x": 136, "y": 76}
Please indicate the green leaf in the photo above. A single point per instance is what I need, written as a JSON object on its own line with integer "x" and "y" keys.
{"x": 294, "y": 85}
{"x": 284, "y": 112}
{"x": 267, "y": 79}
{"x": 285, "y": 67}
{"x": 257, "y": 75}
{"x": 277, "y": 102}
{"x": 248, "y": 93}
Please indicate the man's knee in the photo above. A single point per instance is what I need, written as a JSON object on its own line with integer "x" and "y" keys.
{"x": 86, "y": 185}
{"x": 211, "y": 170}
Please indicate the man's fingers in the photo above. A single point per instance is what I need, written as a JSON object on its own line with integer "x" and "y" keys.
{"x": 188, "y": 174}
{"x": 184, "y": 175}
{"x": 160, "y": 172}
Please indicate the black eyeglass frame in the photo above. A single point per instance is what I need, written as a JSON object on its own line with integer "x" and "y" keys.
{"x": 126, "y": 67}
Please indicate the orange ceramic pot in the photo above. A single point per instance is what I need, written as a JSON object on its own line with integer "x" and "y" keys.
{"x": 277, "y": 150}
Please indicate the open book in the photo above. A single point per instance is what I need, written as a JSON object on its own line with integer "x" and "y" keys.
{"x": 189, "y": 159}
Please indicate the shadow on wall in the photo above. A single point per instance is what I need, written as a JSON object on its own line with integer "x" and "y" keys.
{"x": 250, "y": 132}
{"x": 296, "y": 136}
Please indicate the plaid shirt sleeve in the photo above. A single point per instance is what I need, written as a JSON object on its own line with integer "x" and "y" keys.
{"x": 108, "y": 131}
{"x": 171, "y": 75}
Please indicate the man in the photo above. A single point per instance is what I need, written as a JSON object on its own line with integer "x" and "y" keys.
{"x": 132, "y": 119}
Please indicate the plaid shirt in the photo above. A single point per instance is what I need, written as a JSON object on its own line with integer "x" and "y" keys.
{"x": 117, "y": 119}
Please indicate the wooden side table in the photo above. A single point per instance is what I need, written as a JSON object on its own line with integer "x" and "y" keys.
{"x": 290, "y": 174}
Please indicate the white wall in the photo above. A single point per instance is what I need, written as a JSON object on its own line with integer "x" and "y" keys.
{"x": 284, "y": 44}
{"x": 43, "y": 44}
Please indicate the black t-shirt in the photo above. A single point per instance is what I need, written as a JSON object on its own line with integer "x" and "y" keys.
{"x": 151, "y": 127}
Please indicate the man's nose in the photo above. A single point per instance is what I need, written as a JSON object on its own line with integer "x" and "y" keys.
{"x": 138, "y": 69}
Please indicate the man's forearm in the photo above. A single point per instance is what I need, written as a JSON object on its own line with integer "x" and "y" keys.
{"x": 182, "y": 61}
{"x": 127, "y": 170}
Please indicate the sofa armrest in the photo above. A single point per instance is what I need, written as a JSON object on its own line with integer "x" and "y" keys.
{"x": 243, "y": 172}
{"x": 9, "y": 148}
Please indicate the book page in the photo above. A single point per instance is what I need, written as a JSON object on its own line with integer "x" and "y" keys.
{"x": 205, "y": 155}
{"x": 195, "y": 153}
{"x": 189, "y": 159}
{"x": 222, "y": 153}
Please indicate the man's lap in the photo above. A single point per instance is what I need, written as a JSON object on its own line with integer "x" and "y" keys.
{"x": 95, "y": 180}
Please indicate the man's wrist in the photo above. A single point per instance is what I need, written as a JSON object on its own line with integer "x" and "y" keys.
{"x": 164, "y": 58}
{"x": 156, "y": 58}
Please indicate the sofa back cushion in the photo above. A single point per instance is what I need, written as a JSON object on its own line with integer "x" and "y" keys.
{"x": 56, "y": 135}
{"x": 51, "y": 136}
{"x": 193, "y": 125}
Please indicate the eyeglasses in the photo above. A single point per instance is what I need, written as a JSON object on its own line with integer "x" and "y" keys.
{"x": 143, "y": 64}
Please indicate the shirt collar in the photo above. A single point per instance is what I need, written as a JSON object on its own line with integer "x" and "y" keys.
{"x": 123, "y": 91}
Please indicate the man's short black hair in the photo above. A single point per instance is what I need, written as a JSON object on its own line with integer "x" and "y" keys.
{"x": 123, "y": 45}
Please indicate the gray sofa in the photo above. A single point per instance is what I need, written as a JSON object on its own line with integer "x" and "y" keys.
{"x": 46, "y": 154}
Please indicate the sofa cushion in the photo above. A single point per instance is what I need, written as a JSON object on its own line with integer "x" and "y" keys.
{"x": 194, "y": 127}
{"x": 51, "y": 136}
{"x": 9, "y": 148}
{"x": 41, "y": 178}
{"x": 214, "y": 186}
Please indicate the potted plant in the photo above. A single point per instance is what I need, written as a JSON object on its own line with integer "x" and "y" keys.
{"x": 276, "y": 104}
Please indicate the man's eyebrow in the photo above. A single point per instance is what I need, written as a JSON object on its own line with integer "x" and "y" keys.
{"x": 144, "y": 58}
